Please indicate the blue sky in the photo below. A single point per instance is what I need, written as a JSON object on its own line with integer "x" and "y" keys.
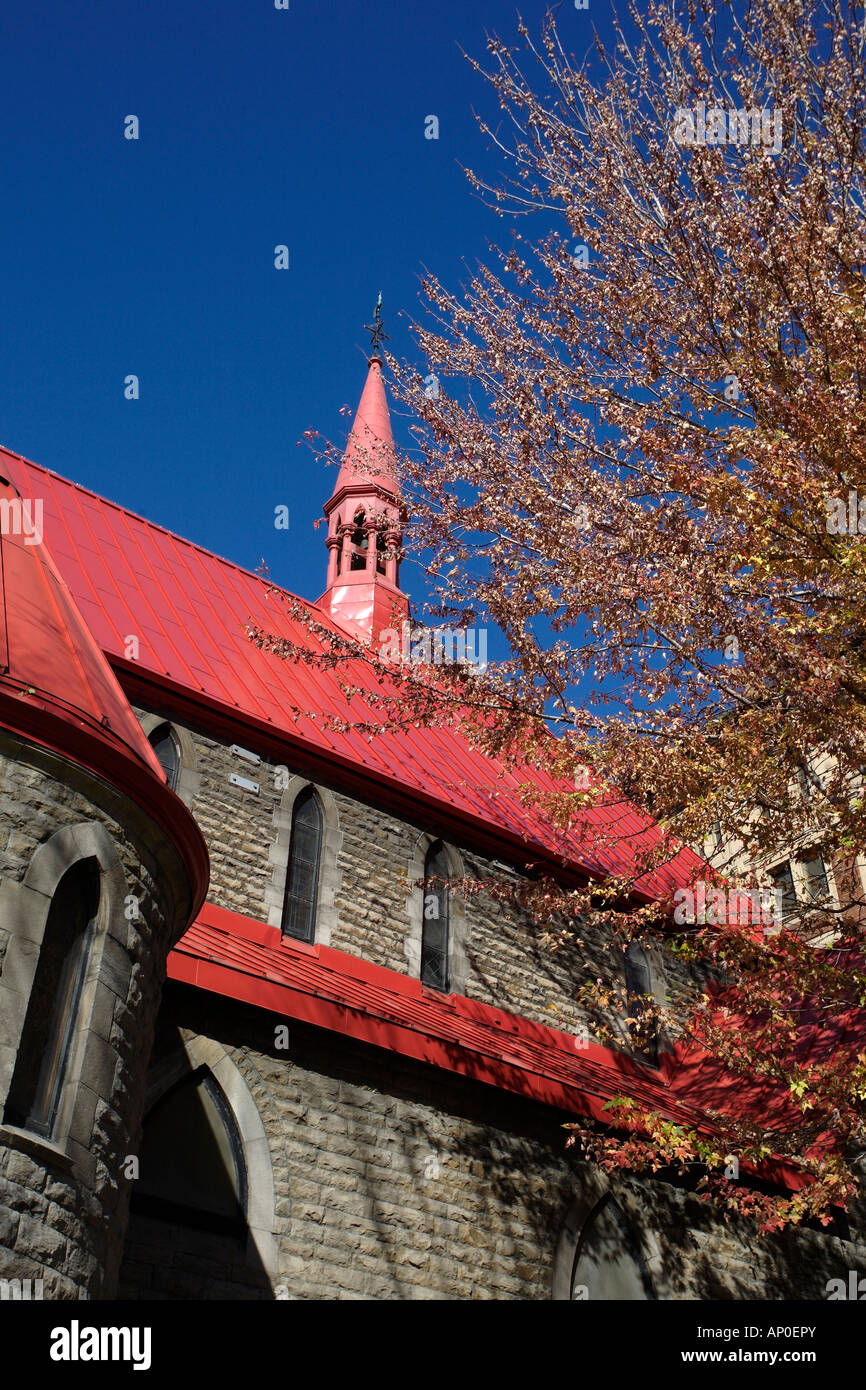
{"x": 156, "y": 257}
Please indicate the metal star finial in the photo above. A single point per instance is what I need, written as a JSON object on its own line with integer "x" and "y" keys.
{"x": 376, "y": 329}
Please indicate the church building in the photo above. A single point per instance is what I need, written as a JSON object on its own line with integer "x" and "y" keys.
{"x": 239, "y": 1058}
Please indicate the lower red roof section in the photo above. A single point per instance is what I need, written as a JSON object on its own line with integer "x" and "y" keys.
{"x": 245, "y": 960}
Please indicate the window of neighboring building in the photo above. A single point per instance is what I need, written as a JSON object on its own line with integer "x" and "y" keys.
{"x": 164, "y": 746}
{"x": 639, "y": 988}
{"x": 815, "y": 874}
{"x": 434, "y": 933}
{"x": 191, "y": 1160}
{"x": 49, "y": 1026}
{"x": 302, "y": 873}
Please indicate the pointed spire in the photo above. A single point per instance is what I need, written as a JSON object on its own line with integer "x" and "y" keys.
{"x": 370, "y": 459}
{"x": 364, "y": 515}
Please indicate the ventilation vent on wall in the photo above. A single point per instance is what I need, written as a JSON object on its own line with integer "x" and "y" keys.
{"x": 244, "y": 782}
{"x": 245, "y": 753}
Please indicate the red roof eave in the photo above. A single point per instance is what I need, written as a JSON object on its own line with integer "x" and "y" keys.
{"x": 242, "y": 959}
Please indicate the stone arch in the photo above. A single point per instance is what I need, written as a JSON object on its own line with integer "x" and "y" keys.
{"x": 330, "y": 876}
{"x": 197, "y": 1052}
{"x": 188, "y": 777}
{"x": 595, "y": 1191}
{"x": 458, "y": 958}
{"x": 24, "y": 909}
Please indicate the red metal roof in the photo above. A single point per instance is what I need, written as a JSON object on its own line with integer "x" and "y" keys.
{"x": 243, "y": 959}
{"x": 189, "y": 610}
{"x": 57, "y": 689}
{"x": 46, "y": 649}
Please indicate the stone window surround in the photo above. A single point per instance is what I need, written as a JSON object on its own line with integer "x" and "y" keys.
{"x": 188, "y": 776}
{"x": 91, "y": 1060}
{"x": 196, "y": 1052}
{"x": 330, "y": 876}
{"x": 595, "y": 1189}
{"x": 655, "y": 961}
{"x": 458, "y": 962}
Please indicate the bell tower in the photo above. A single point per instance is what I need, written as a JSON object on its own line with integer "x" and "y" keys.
{"x": 363, "y": 591}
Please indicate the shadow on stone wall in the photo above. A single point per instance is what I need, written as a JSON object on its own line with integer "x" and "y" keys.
{"x": 394, "y": 1179}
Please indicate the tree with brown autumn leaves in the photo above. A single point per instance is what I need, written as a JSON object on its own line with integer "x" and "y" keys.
{"x": 643, "y": 461}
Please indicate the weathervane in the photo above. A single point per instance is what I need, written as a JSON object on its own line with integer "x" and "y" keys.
{"x": 376, "y": 329}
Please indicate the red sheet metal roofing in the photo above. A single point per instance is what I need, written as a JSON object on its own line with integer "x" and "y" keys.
{"x": 46, "y": 648}
{"x": 243, "y": 959}
{"x": 57, "y": 689}
{"x": 189, "y": 609}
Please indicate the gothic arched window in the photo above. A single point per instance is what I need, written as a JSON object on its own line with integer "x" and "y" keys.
{"x": 191, "y": 1161}
{"x": 639, "y": 988}
{"x": 434, "y": 933}
{"x": 608, "y": 1264}
{"x": 49, "y": 1026}
{"x": 302, "y": 873}
{"x": 164, "y": 746}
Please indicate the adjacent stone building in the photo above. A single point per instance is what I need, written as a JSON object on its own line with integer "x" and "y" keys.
{"x": 297, "y": 1063}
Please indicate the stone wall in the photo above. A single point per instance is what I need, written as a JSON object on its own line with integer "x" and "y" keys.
{"x": 63, "y": 1203}
{"x": 394, "y": 1180}
{"x": 501, "y": 957}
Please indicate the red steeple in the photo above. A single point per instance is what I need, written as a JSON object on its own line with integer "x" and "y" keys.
{"x": 364, "y": 519}
{"x": 369, "y": 457}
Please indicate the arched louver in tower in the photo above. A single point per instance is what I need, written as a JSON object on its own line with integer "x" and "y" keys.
{"x": 434, "y": 934}
{"x": 49, "y": 1027}
{"x": 302, "y": 872}
{"x": 360, "y": 542}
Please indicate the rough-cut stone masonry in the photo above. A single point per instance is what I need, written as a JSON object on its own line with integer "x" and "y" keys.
{"x": 394, "y": 1180}
{"x": 63, "y": 1205}
{"x": 502, "y": 959}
